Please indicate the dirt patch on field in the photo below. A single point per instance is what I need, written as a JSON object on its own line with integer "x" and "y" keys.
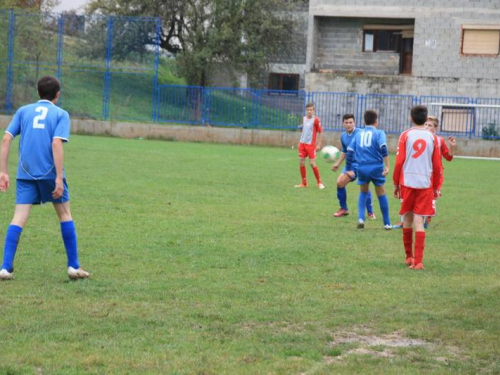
{"x": 393, "y": 340}
{"x": 362, "y": 341}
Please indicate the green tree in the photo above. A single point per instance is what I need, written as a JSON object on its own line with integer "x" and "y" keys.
{"x": 243, "y": 35}
{"x": 33, "y": 5}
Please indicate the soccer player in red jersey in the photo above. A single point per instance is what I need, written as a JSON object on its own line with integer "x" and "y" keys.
{"x": 417, "y": 182}
{"x": 311, "y": 126}
{"x": 432, "y": 124}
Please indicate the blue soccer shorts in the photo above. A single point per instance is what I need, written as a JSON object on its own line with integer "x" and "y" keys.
{"x": 39, "y": 191}
{"x": 371, "y": 173}
{"x": 344, "y": 171}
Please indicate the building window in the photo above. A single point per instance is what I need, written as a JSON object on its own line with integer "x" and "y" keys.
{"x": 280, "y": 81}
{"x": 480, "y": 40}
{"x": 381, "y": 40}
{"x": 457, "y": 120}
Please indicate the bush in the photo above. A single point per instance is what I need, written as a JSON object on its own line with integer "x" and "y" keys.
{"x": 490, "y": 132}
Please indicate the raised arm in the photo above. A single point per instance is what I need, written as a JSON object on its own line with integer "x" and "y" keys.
{"x": 437, "y": 169}
{"x": 448, "y": 153}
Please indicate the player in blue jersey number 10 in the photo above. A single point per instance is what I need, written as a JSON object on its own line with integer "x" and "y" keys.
{"x": 369, "y": 149}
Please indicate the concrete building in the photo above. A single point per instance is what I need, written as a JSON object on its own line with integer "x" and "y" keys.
{"x": 417, "y": 47}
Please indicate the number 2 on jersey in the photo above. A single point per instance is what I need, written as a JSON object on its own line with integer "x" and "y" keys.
{"x": 419, "y": 146}
{"x": 36, "y": 120}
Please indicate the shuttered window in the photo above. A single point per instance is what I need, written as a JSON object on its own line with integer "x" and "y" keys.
{"x": 480, "y": 41}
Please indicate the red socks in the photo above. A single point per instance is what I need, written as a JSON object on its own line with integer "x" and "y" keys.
{"x": 303, "y": 174}
{"x": 408, "y": 241}
{"x": 316, "y": 173}
{"x": 419, "y": 246}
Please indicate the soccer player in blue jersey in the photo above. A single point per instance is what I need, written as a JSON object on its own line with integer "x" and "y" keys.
{"x": 349, "y": 124}
{"x": 369, "y": 149}
{"x": 43, "y": 128}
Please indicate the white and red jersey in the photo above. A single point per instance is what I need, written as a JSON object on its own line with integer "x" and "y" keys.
{"x": 310, "y": 128}
{"x": 418, "y": 161}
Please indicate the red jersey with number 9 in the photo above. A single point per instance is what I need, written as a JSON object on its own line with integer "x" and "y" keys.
{"x": 418, "y": 161}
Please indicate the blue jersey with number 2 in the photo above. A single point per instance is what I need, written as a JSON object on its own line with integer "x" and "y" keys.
{"x": 38, "y": 124}
{"x": 367, "y": 146}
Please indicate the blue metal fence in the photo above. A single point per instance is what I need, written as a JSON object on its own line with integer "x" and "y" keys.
{"x": 249, "y": 108}
{"x": 120, "y": 57}
{"x": 117, "y": 55}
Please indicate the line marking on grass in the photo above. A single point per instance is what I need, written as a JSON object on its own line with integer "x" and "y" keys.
{"x": 477, "y": 158}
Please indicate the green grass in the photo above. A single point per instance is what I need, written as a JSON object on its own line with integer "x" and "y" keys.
{"x": 205, "y": 259}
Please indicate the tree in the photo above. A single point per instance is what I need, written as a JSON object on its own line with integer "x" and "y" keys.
{"x": 34, "y": 5}
{"x": 244, "y": 35}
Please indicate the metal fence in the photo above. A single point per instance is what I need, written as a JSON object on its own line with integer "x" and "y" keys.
{"x": 109, "y": 68}
{"x": 249, "y": 108}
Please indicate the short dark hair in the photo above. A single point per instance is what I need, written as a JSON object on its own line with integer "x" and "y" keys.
{"x": 370, "y": 117}
{"x": 419, "y": 114}
{"x": 48, "y": 87}
{"x": 310, "y": 104}
{"x": 347, "y": 116}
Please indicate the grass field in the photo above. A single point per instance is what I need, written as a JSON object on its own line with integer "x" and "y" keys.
{"x": 205, "y": 259}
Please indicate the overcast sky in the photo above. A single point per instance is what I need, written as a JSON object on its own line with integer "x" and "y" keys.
{"x": 66, "y": 5}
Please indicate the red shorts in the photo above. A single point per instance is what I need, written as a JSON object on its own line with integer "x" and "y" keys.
{"x": 418, "y": 201}
{"x": 306, "y": 150}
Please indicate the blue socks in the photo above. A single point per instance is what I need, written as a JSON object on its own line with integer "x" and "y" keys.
{"x": 362, "y": 205}
{"x": 384, "y": 207}
{"x": 68, "y": 232}
{"x": 369, "y": 206}
{"x": 14, "y": 233}
{"x": 11, "y": 241}
{"x": 342, "y": 196}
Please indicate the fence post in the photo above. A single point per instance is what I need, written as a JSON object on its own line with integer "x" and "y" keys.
{"x": 309, "y": 99}
{"x": 255, "y": 119}
{"x": 60, "y": 44}
{"x": 205, "y": 113}
{"x": 107, "y": 74}
{"x": 156, "y": 89}
{"x": 10, "y": 60}
{"x": 472, "y": 121}
{"x": 360, "y": 108}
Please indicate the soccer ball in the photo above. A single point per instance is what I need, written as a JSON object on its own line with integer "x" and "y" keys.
{"x": 330, "y": 153}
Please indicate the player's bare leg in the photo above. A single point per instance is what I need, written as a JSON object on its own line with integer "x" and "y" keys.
{"x": 21, "y": 214}
{"x": 302, "y": 167}
{"x": 69, "y": 237}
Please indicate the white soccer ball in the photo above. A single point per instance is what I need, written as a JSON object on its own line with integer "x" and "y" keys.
{"x": 330, "y": 154}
